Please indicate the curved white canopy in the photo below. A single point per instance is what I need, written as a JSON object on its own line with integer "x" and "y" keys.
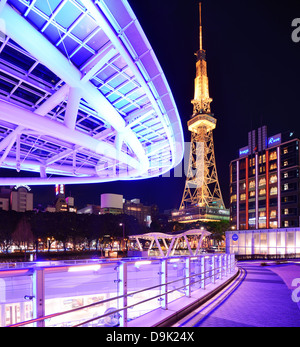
{"x": 82, "y": 95}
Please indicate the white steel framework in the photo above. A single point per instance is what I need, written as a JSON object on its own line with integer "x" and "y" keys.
{"x": 170, "y": 241}
{"x": 82, "y": 96}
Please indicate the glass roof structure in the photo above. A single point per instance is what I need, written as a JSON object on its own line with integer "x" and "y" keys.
{"x": 83, "y": 98}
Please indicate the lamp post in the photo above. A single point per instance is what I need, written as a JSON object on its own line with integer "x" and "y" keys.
{"x": 123, "y": 225}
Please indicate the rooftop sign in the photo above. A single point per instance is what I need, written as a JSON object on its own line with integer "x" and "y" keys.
{"x": 243, "y": 152}
{"x": 274, "y": 140}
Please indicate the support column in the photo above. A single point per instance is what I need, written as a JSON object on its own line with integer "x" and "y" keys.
{"x": 187, "y": 277}
{"x": 163, "y": 282}
{"x": 122, "y": 290}
{"x": 213, "y": 269}
{"x": 203, "y": 274}
{"x": 221, "y": 257}
{"x": 39, "y": 296}
{"x": 238, "y": 195}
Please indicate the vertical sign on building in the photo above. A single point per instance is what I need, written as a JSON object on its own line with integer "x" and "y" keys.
{"x": 59, "y": 189}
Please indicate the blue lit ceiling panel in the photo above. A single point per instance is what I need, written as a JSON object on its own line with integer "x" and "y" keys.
{"x": 82, "y": 96}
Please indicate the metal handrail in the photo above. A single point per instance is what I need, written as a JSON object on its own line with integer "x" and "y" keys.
{"x": 53, "y": 315}
{"x": 149, "y": 299}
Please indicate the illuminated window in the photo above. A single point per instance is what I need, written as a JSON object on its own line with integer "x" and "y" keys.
{"x": 273, "y": 166}
{"x": 243, "y": 197}
{"x": 285, "y": 186}
{"x": 286, "y": 175}
{"x": 273, "y": 179}
{"x": 233, "y": 198}
{"x": 285, "y": 150}
{"x": 262, "y": 181}
{"x": 273, "y": 155}
{"x": 262, "y": 192}
{"x": 262, "y": 159}
{"x": 273, "y": 224}
{"x": 252, "y": 184}
{"x": 286, "y": 211}
{"x": 273, "y": 214}
{"x": 273, "y": 191}
{"x": 252, "y": 194}
{"x": 285, "y": 163}
{"x": 133, "y": 208}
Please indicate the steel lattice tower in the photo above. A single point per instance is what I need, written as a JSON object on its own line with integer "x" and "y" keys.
{"x": 202, "y": 187}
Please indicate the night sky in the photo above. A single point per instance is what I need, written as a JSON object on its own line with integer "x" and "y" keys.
{"x": 254, "y": 78}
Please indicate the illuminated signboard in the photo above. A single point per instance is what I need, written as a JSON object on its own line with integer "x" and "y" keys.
{"x": 243, "y": 152}
{"x": 22, "y": 186}
{"x": 274, "y": 140}
{"x": 60, "y": 189}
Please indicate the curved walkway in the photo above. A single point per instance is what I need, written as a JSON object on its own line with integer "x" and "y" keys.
{"x": 262, "y": 299}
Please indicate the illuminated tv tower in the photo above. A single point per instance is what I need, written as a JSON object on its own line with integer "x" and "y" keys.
{"x": 202, "y": 192}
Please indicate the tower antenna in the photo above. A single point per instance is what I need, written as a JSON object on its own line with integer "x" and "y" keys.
{"x": 200, "y": 26}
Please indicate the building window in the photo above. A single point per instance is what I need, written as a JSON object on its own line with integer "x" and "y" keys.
{"x": 285, "y": 150}
{"x": 286, "y": 175}
{"x": 243, "y": 186}
{"x": 262, "y": 181}
{"x": 252, "y": 184}
{"x": 285, "y": 186}
{"x": 262, "y": 158}
{"x": 273, "y": 224}
{"x": 273, "y": 166}
{"x": 273, "y": 191}
{"x": 286, "y": 211}
{"x": 273, "y": 155}
{"x": 233, "y": 198}
{"x": 273, "y": 179}
{"x": 285, "y": 163}
{"x": 262, "y": 192}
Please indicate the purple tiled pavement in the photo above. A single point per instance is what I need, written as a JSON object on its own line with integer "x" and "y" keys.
{"x": 263, "y": 299}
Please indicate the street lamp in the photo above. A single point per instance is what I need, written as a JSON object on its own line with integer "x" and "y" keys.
{"x": 123, "y": 225}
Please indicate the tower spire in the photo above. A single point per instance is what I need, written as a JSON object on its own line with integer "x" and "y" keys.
{"x": 201, "y": 99}
{"x": 200, "y": 32}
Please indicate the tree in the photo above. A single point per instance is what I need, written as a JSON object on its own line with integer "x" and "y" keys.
{"x": 41, "y": 227}
{"x": 22, "y": 234}
{"x": 8, "y": 223}
{"x": 218, "y": 230}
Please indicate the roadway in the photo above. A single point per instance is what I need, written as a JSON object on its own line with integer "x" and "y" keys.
{"x": 262, "y": 296}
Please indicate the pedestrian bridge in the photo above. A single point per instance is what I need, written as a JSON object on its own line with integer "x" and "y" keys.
{"x": 110, "y": 292}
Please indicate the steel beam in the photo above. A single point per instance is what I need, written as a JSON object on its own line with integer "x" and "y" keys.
{"x": 15, "y": 26}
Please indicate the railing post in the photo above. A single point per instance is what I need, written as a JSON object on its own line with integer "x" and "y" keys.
{"x": 226, "y": 270}
{"x": 203, "y": 274}
{"x": 163, "y": 282}
{"x": 187, "y": 277}
{"x": 213, "y": 269}
{"x": 39, "y": 296}
{"x": 122, "y": 290}
{"x": 221, "y": 257}
{"x": 232, "y": 262}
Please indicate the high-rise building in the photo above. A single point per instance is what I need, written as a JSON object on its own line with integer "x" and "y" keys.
{"x": 264, "y": 182}
{"x": 21, "y": 199}
{"x": 202, "y": 197}
{"x": 140, "y": 211}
